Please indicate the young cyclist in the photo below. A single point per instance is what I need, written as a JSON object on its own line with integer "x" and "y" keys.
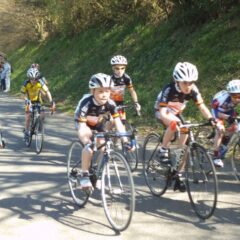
{"x": 32, "y": 89}
{"x": 223, "y": 109}
{"x": 170, "y": 102}
{"x": 121, "y": 81}
{"x": 88, "y": 117}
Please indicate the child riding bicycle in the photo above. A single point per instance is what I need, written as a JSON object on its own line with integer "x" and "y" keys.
{"x": 121, "y": 80}
{"x": 223, "y": 109}
{"x": 32, "y": 89}
{"x": 89, "y": 115}
{"x": 170, "y": 102}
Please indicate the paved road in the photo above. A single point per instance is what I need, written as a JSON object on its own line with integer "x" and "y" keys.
{"x": 35, "y": 201}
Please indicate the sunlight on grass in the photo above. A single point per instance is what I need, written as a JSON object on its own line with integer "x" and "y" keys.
{"x": 152, "y": 53}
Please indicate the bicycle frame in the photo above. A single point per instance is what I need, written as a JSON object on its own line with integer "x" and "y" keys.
{"x": 35, "y": 114}
{"x": 190, "y": 141}
{"x": 107, "y": 147}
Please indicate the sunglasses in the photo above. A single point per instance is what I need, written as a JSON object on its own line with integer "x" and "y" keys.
{"x": 187, "y": 83}
{"x": 33, "y": 79}
{"x": 236, "y": 96}
{"x": 119, "y": 68}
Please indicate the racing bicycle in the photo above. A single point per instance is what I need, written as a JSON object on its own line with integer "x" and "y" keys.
{"x": 112, "y": 171}
{"x": 36, "y": 127}
{"x": 231, "y": 146}
{"x": 200, "y": 175}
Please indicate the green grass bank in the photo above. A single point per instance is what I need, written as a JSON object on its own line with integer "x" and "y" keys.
{"x": 152, "y": 52}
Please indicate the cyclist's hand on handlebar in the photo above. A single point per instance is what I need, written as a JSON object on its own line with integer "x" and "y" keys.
{"x": 138, "y": 108}
{"x": 53, "y": 106}
{"x": 212, "y": 121}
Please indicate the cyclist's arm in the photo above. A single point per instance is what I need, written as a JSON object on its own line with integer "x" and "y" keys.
{"x": 133, "y": 94}
{"x": 204, "y": 110}
{"x": 49, "y": 96}
{"x": 46, "y": 90}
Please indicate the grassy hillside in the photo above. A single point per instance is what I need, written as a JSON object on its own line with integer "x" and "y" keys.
{"x": 152, "y": 52}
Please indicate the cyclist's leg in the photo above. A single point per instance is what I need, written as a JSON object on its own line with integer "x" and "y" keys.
{"x": 27, "y": 120}
{"x": 170, "y": 121}
{"x": 180, "y": 178}
{"x": 85, "y": 134}
{"x": 220, "y": 132}
{"x": 182, "y": 143}
{"x": 123, "y": 118}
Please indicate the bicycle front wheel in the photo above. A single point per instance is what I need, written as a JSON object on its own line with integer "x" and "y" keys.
{"x": 156, "y": 175}
{"x": 39, "y": 135}
{"x": 28, "y": 140}
{"x": 201, "y": 179}
{"x": 235, "y": 160}
{"x": 74, "y": 173}
{"x": 118, "y": 191}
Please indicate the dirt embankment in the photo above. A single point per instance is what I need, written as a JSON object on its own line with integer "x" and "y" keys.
{"x": 15, "y": 25}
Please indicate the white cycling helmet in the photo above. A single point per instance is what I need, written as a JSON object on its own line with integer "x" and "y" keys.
{"x": 33, "y": 73}
{"x": 118, "y": 60}
{"x": 100, "y": 80}
{"x": 185, "y": 72}
{"x": 234, "y": 86}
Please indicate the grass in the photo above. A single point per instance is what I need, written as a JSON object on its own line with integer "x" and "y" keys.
{"x": 152, "y": 52}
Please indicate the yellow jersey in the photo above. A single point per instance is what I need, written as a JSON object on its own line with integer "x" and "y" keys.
{"x": 33, "y": 91}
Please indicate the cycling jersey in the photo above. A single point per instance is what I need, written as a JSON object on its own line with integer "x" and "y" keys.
{"x": 119, "y": 87}
{"x": 33, "y": 91}
{"x": 222, "y": 103}
{"x": 90, "y": 112}
{"x": 175, "y": 100}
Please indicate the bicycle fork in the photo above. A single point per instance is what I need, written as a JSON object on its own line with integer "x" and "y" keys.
{"x": 116, "y": 171}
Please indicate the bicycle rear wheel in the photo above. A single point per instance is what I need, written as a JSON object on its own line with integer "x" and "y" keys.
{"x": 39, "y": 135}
{"x": 131, "y": 157}
{"x": 156, "y": 175}
{"x": 74, "y": 173}
{"x": 201, "y": 179}
{"x": 118, "y": 192}
{"x": 235, "y": 160}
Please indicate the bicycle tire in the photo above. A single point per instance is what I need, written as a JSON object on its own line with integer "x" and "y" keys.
{"x": 28, "y": 141}
{"x": 156, "y": 175}
{"x": 201, "y": 182}
{"x": 39, "y": 134}
{"x": 118, "y": 194}
{"x": 235, "y": 160}
{"x": 74, "y": 165}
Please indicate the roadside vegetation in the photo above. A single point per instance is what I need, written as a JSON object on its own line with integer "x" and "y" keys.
{"x": 76, "y": 39}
